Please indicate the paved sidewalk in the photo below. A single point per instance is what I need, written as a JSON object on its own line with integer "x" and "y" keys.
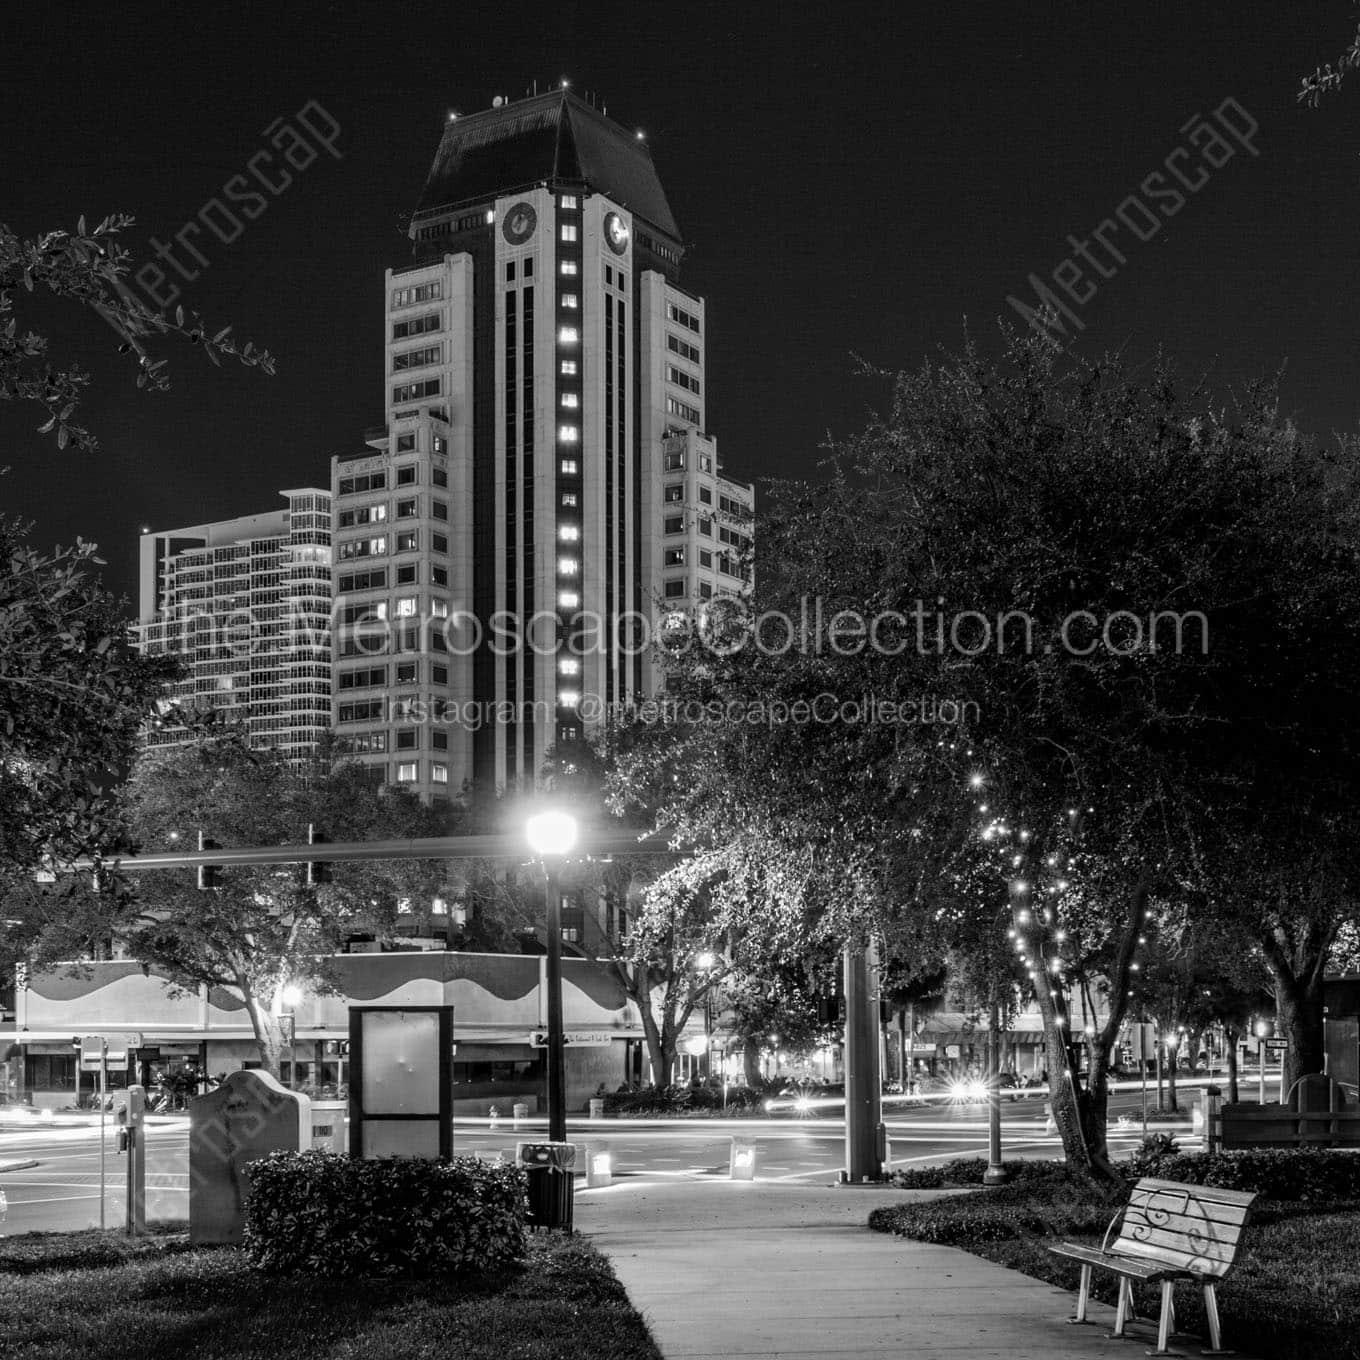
{"x": 787, "y": 1272}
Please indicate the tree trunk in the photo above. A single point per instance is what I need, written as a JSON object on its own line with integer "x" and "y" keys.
{"x": 750, "y": 1062}
{"x": 1299, "y": 1012}
{"x": 1230, "y": 1040}
{"x": 268, "y": 1034}
{"x": 1172, "y": 1060}
{"x": 1080, "y": 1114}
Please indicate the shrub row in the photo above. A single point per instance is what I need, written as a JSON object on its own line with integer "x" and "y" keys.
{"x": 1309, "y": 1175}
{"x": 674, "y": 1100}
{"x": 1033, "y": 1208}
{"x": 970, "y": 1170}
{"x": 326, "y": 1213}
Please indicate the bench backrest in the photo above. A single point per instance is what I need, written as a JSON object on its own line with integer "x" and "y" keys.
{"x": 1189, "y": 1227}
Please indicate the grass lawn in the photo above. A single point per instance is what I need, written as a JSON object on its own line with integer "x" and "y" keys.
{"x": 1293, "y": 1295}
{"x": 99, "y": 1296}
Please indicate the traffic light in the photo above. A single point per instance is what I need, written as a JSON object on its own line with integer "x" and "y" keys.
{"x": 830, "y": 1009}
{"x": 209, "y": 875}
{"x": 317, "y": 872}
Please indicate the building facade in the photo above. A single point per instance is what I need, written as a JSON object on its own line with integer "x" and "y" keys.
{"x": 542, "y": 340}
{"x": 245, "y": 605}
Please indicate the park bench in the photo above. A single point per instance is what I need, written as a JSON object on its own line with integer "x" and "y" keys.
{"x": 1170, "y": 1233}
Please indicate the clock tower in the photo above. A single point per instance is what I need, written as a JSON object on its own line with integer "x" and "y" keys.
{"x": 542, "y": 338}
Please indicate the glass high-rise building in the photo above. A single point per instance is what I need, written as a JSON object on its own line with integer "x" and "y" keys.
{"x": 245, "y": 605}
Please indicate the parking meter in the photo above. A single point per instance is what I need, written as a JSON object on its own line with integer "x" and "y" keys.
{"x": 132, "y": 1138}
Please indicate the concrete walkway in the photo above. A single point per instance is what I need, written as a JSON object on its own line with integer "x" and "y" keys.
{"x": 787, "y": 1272}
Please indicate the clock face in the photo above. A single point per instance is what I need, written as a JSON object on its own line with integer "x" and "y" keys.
{"x": 616, "y": 233}
{"x": 519, "y": 224}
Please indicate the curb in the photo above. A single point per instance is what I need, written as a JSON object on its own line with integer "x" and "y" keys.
{"x": 16, "y": 1166}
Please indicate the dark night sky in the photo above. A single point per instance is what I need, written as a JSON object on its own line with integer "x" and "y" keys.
{"x": 849, "y": 177}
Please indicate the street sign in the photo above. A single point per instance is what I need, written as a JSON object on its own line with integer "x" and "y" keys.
{"x": 576, "y": 1039}
{"x": 92, "y": 1053}
{"x": 1277, "y": 1046}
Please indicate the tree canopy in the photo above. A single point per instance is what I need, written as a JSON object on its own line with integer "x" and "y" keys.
{"x": 1078, "y": 629}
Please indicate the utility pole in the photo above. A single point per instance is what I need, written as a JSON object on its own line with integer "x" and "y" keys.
{"x": 864, "y": 1132}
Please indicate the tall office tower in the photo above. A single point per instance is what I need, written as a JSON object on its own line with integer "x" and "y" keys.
{"x": 403, "y": 641}
{"x": 542, "y": 329}
{"x": 245, "y": 604}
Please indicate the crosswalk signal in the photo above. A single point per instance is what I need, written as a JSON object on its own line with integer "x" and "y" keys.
{"x": 318, "y": 872}
{"x": 209, "y": 875}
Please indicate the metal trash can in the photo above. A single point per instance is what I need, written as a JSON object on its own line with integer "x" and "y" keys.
{"x": 596, "y": 1108}
{"x": 328, "y": 1125}
{"x": 550, "y": 1168}
{"x": 519, "y": 1111}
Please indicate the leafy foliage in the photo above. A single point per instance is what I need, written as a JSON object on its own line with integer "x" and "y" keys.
{"x": 1311, "y": 1175}
{"x": 327, "y": 1214}
{"x": 1169, "y": 570}
{"x": 264, "y": 928}
{"x": 87, "y": 267}
{"x": 73, "y": 694}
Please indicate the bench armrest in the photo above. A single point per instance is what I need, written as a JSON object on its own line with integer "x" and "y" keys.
{"x": 1105, "y": 1241}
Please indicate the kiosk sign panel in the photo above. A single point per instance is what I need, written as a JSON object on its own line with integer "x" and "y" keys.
{"x": 401, "y": 1081}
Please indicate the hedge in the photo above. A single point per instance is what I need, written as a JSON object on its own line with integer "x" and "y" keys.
{"x": 970, "y": 1170}
{"x": 1032, "y": 1208}
{"x": 1309, "y": 1175}
{"x": 326, "y": 1213}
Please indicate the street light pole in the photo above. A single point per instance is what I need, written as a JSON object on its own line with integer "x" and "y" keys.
{"x": 557, "y": 1066}
{"x": 996, "y": 1174}
{"x": 552, "y": 835}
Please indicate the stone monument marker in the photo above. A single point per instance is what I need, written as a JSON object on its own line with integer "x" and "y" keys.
{"x": 249, "y": 1116}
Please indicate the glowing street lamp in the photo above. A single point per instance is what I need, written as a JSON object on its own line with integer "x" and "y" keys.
{"x": 551, "y": 836}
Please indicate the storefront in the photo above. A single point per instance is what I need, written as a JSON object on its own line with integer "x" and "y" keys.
{"x": 499, "y": 1001}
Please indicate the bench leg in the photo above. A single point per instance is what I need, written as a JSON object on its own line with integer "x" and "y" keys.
{"x": 1164, "y": 1322}
{"x": 1124, "y": 1311}
{"x": 1215, "y": 1331}
{"x": 1083, "y": 1295}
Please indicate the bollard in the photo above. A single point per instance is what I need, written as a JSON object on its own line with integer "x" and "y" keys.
{"x": 743, "y": 1163}
{"x": 495, "y": 1116}
{"x": 599, "y": 1166}
{"x": 519, "y": 1113}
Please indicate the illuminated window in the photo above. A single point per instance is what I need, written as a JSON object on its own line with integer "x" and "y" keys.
{"x": 568, "y": 599}
{"x": 569, "y": 533}
{"x": 439, "y": 772}
{"x": 568, "y": 368}
{"x": 569, "y": 667}
{"x": 569, "y": 232}
{"x": 568, "y": 267}
{"x": 406, "y": 607}
{"x": 407, "y": 772}
{"x": 568, "y": 566}
{"x": 439, "y": 609}
{"x": 570, "y": 468}
{"x": 569, "y": 698}
{"x": 569, "y": 500}
{"x": 569, "y": 335}
{"x": 571, "y": 301}
{"x": 570, "y": 400}
{"x": 570, "y": 201}
{"x": 568, "y": 434}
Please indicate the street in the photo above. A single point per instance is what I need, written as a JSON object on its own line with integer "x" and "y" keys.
{"x": 62, "y": 1191}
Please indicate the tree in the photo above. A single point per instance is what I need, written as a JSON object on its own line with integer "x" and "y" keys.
{"x": 87, "y": 267}
{"x": 73, "y": 694}
{"x": 1015, "y": 569}
{"x": 263, "y": 929}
